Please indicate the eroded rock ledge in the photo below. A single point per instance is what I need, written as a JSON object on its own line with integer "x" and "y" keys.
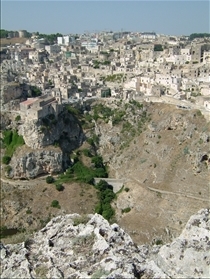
{"x": 73, "y": 246}
{"x": 29, "y": 163}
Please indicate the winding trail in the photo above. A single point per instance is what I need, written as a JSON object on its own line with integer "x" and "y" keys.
{"x": 168, "y": 192}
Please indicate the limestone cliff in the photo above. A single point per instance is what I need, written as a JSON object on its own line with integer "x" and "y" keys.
{"x": 72, "y": 246}
{"x": 63, "y": 130}
{"x": 48, "y": 143}
{"x": 28, "y": 163}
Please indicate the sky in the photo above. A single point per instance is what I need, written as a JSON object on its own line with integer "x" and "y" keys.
{"x": 163, "y": 17}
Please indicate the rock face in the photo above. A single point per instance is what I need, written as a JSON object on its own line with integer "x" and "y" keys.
{"x": 28, "y": 163}
{"x": 65, "y": 131}
{"x": 47, "y": 145}
{"x": 73, "y": 246}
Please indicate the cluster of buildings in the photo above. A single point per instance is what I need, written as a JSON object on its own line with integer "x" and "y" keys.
{"x": 125, "y": 64}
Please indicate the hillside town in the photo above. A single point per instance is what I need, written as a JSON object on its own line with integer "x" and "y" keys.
{"x": 37, "y": 77}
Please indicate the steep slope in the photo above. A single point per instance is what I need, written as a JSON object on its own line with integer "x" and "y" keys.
{"x": 165, "y": 167}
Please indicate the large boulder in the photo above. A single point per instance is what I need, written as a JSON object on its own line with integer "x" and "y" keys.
{"x": 74, "y": 246}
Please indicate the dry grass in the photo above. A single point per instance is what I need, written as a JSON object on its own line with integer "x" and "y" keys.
{"x": 30, "y": 208}
{"x": 6, "y": 42}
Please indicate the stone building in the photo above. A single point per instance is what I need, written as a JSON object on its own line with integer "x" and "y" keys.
{"x": 35, "y": 108}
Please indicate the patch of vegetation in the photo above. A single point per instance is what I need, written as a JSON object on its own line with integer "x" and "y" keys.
{"x": 81, "y": 220}
{"x": 73, "y": 111}
{"x": 125, "y": 210}
{"x": 35, "y": 91}
{"x": 99, "y": 274}
{"x": 114, "y": 78}
{"x": 127, "y": 189}
{"x": 51, "y": 38}
{"x": 198, "y": 113}
{"x": 41, "y": 271}
{"x": 87, "y": 152}
{"x": 50, "y": 179}
{"x": 11, "y": 141}
{"x": 93, "y": 141}
{"x": 28, "y": 211}
{"x": 198, "y": 35}
{"x": 6, "y": 232}
{"x": 6, "y": 159}
{"x": 55, "y": 204}
{"x": 105, "y": 195}
{"x": 117, "y": 117}
{"x": 159, "y": 242}
{"x": 159, "y": 195}
{"x": 18, "y": 118}
{"x": 59, "y": 187}
{"x": 186, "y": 150}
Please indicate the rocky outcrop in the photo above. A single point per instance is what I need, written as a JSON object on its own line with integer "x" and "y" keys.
{"x": 73, "y": 246}
{"x": 48, "y": 143}
{"x": 64, "y": 131}
{"x": 188, "y": 256}
{"x": 27, "y": 163}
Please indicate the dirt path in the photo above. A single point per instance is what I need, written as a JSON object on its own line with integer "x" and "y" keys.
{"x": 168, "y": 192}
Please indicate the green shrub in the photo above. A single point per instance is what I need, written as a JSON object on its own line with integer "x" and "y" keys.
{"x": 55, "y": 204}
{"x": 28, "y": 211}
{"x": 59, "y": 187}
{"x": 97, "y": 161}
{"x": 125, "y": 210}
{"x": 18, "y": 118}
{"x": 6, "y": 159}
{"x": 127, "y": 189}
{"x": 87, "y": 152}
{"x": 49, "y": 179}
{"x": 159, "y": 242}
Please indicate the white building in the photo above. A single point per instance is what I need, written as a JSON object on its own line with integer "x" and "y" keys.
{"x": 148, "y": 35}
{"x": 60, "y": 40}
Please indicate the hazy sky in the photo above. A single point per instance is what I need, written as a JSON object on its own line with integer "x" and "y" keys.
{"x": 166, "y": 17}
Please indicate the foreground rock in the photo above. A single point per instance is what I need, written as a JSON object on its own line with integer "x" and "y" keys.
{"x": 73, "y": 246}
